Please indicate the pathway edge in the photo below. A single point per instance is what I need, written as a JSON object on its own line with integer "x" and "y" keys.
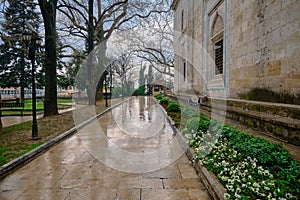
{"x": 214, "y": 187}
{"x": 13, "y": 164}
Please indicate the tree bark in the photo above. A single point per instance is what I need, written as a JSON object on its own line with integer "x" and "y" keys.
{"x": 1, "y": 131}
{"x": 48, "y": 9}
{"x": 90, "y": 92}
{"x": 99, "y": 90}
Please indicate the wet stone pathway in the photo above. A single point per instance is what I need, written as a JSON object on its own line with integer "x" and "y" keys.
{"x": 129, "y": 153}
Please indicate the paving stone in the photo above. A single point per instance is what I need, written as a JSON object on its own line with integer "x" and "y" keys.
{"x": 92, "y": 194}
{"x": 170, "y": 172}
{"x": 190, "y": 183}
{"x": 126, "y": 194}
{"x": 69, "y": 171}
{"x": 187, "y": 171}
{"x": 141, "y": 183}
{"x": 11, "y": 194}
{"x": 198, "y": 194}
{"x": 165, "y": 194}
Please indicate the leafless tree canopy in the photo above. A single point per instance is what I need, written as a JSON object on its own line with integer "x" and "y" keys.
{"x": 152, "y": 41}
{"x": 108, "y": 15}
{"x": 124, "y": 69}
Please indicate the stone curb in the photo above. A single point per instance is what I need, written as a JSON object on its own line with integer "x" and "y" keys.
{"x": 214, "y": 187}
{"x": 8, "y": 167}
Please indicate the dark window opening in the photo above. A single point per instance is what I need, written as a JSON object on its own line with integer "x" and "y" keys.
{"x": 182, "y": 20}
{"x": 219, "y": 57}
{"x": 184, "y": 71}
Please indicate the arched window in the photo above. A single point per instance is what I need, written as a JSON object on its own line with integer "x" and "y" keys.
{"x": 217, "y": 38}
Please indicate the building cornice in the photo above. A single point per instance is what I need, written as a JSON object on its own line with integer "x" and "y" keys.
{"x": 174, "y": 4}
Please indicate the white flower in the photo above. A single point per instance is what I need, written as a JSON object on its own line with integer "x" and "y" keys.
{"x": 237, "y": 196}
{"x": 255, "y": 185}
{"x": 226, "y": 196}
{"x": 288, "y": 195}
{"x": 266, "y": 188}
{"x": 266, "y": 173}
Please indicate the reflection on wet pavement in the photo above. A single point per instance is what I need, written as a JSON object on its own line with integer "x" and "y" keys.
{"x": 72, "y": 169}
{"x": 126, "y": 140}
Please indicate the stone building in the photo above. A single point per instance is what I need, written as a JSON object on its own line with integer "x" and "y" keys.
{"x": 228, "y": 48}
{"x": 244, "y": 55}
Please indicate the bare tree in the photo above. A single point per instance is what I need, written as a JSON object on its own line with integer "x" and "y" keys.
{"x": 152, "y": 41}
{"x": 96, "y": 24}
{"x": 48, "y": 10}
{"x": 1, "y": 131}
{"x": 123, "y": 67}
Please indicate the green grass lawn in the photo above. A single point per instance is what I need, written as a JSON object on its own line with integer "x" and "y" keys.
{"x": 39, "y": 106}
{"x": 8, "y": 153}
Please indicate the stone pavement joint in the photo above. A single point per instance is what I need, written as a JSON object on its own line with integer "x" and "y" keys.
{"x": 69, "y": 171}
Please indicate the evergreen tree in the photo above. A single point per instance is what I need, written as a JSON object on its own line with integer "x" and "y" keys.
{"x": 68, "y": 73}
{"x": 14, "y": 65}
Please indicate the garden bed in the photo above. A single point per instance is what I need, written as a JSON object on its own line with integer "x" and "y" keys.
{"x": 248, "y": 167}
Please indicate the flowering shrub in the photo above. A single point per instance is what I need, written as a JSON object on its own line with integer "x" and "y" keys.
{"x": 248, "y": 167}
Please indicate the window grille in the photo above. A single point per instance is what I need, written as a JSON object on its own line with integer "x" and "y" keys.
{"x": 219, "y": 57}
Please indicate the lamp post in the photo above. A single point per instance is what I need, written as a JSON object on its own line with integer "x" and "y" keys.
{"x": 33, "y": 41}
{"x": 110, "y": 86}
{"x": 105, "y": 78}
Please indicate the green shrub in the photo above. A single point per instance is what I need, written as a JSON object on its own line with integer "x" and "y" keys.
{"x": 195, "y": 124}
{"x": 141, "y": 91}
{"x": 158, "y": 96}
{"x": 173, "y": 107}
{"x": 189, "y": 112}
{"x": 203, "y": 125}
{"x": 192, "y": 125}
{"x": 164, "y": 101}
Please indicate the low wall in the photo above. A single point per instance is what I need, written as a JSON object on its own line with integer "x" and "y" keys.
{"x": 278, "y": 120}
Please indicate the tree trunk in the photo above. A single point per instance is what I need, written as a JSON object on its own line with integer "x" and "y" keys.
{"x": 90, "y": 91}
{"x": 99, "y": 90}
{"x": 48, "y": 9}
{"x": 0, "y": 117}
{"x": 101, "y": 71}
{"x": 22, "y": 78}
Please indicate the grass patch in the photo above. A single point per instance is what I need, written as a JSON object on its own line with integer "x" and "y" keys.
{"x": 16, "y": 139}
{"x": 9, "y": 153}
{"x": 61, "y": 104}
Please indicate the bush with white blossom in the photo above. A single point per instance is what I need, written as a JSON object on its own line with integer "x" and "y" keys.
{"x": 248, "y": 167}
